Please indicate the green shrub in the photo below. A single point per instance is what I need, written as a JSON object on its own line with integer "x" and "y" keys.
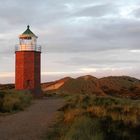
{"x": 85, "y": 128}
{"x": 87, "y": 117}
{"x": 10, "y": 103}
{"x": 11, "y": 100}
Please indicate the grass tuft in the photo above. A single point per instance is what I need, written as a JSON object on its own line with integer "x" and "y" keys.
{"x": 88, "y": 117}
{"x": 11, "y": 100}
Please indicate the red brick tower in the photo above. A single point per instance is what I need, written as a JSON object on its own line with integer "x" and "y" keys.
{"x": 28, "y": 63}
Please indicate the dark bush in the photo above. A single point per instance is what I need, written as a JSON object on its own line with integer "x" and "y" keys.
{"x": 11, "y": 100}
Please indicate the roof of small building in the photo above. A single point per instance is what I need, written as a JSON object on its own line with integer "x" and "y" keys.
{"x": 28, "y": 32}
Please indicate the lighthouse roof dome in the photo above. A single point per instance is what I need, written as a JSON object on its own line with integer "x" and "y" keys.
{"x": 28, "y": 33}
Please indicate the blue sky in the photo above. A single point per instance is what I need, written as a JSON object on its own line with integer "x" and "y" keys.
{"x": 78, "y": 37}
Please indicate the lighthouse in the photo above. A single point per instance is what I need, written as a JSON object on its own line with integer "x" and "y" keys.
{"x": 27, "y": 55}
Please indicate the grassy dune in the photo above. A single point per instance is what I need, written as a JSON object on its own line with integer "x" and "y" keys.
{"x": 87, "y": 117}
{"x": 11, "y": 100}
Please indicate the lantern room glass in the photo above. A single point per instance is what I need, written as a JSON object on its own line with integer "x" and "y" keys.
{"x": 27, "y": 41}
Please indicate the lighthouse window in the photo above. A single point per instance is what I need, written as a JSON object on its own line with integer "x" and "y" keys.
{"x": 25, "y": 41}
{"x": 28, "y": 41}
{"x": 33, "y": 41}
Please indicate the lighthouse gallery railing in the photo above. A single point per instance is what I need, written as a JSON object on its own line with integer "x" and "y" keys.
{"x": 28, "y": 48}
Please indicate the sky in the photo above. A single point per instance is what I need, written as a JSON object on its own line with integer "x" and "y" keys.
{"x": 78, "y": 37}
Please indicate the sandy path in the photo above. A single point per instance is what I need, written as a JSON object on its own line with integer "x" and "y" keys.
{"x": 32, "y": 123}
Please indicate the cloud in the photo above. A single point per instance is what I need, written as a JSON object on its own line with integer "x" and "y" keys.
{"x": 74, "y": 35}
{"x": 136, "y": 12}
{"x": 103, "y": 59}
{"x": 98, "y": 10}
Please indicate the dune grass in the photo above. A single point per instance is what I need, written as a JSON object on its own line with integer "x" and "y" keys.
{"x": 88, "y": 117}
{"x": 11, "y": 100}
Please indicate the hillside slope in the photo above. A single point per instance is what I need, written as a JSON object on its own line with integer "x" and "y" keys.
{"x": 121, "y": 86}
{"x": 85, "y": 84}
{"x": 55, "y": 85}
{"x": 6, "y": 86}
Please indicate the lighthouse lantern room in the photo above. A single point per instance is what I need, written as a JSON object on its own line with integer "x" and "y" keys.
{"x": 28, "y": 63}
{"x": 28, "y": 41}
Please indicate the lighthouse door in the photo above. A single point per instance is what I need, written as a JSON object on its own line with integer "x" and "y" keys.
{"x": 28, "y": 84}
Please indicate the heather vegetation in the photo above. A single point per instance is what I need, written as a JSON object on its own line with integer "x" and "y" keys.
{"x": 11, "y": 100}
{"x": 89, "y": 117}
